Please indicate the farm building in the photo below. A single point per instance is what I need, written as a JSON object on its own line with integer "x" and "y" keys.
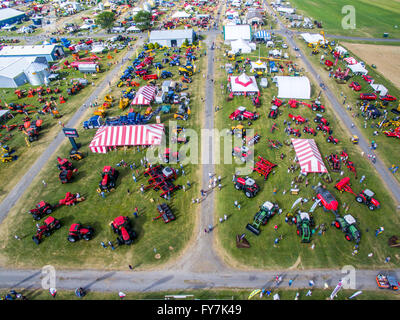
{"x": 172, "y": 38}
{"x": 50, "y": 52}
{"x": 293, "y": 87}
{"x": 10, "y": 16}
{"x": 254, "y": 17}
{"x": 16, "y": 71}
{"x": 235, "y": 32}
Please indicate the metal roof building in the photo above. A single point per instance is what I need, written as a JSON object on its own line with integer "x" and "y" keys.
{"x": 10, "y": 16}
{"x": 16, "y": 71}
{"x": 50, "y": 52}
{"x": 172, "y": 38}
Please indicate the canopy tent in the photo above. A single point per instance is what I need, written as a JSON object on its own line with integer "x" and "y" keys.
{"x": 358, "y": 69}
{"x": 313, "y": 38}
{"x": 137, "y": 135}
{"x": 258, "y": 65}
{"x": 308, "y": 155}
{"x": 263, "y": 34}
{"x": 180, "y": 15}
{"x": 350, "y": 60}
{"x": 144, "y": 96}
{"x": 133, "y": 29}
{"x": 241, "y": 45}
{"x": 243, "y": 84}
{"x": 293, "y": 87}
{"x": 380, "y": 89}
{"x": 341, "y": 50}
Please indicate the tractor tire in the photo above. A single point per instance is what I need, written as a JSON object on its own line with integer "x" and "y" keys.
{"x": 37, "y": 217}
{"x": 120, "y": 241}
{"x": 48, "y": 211}
{"x": 58, "y": 226}
{"x": 359, "y": 199}
{"x": 371, "y": 207}
{"x": 237, "y": 187}
{"x": 71, "y": 239}
{"x": 322, "y": 110}
{"x": 337, "y": 225}
{"x": 347, "y": 237}
{"x": 248, "y": 194}
{"x": 328, "y": 140}
{"x": 86, "y": 237}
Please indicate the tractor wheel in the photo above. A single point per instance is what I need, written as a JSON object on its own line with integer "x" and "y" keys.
{"x": 298, "y": 232}
{"x": 120, "y": 241}
{"x": 58, "y": 226}
{"x": 71, "y": 239}
{"x": 248, "y": 194}
{"x": 348, "y": 238}
{"x": 86, "y": 237}
{"x": 371, "y": 207}
{"x": 359, "y": 199}
{"x": 337, "y": 225}
{"x": 48, "y": 211}
{"x": 322, "y": 110}
{"x": 237, "y": 187}
{"x": 328, "y": 140}
{"x": 37, "y": 217}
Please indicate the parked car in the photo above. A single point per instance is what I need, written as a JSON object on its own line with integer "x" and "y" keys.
{"x": 368, "y": 96}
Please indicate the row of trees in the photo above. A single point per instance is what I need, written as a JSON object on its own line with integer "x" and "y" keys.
{"x": 106, "y": 20}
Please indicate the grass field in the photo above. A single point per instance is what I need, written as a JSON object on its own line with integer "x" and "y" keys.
{"x": 331, "y": 249}
{"x": 218, "y": 294}
{"x": 167, "y": 239}
{"x": 373, "y": 18}
{"x": 12, "y": 171}
{"x": 388, "y": 148}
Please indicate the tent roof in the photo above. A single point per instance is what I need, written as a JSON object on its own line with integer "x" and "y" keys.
{"x": 234, "y": 32}
{"x": 258, "y": 65}
{"x": 136, "y": 135}
{"x": 358, "y": 68}
{"x": 350, "y": 60}
{"x": 180, "y": 14}
{"x": 293, "y": 87}
{"x": 244, "y": 83}
{"x": 308, "y": 154}
{"x": 312, "y": 37}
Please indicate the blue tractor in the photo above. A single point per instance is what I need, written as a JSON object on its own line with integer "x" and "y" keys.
{"x": 166, "y": 74}
{"x": 93, "y": 123}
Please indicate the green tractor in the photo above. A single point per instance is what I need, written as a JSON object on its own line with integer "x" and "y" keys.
{"x": 349, "y": 226}
{"x": 267, "y": 211}
{"x": 304, "y": 223}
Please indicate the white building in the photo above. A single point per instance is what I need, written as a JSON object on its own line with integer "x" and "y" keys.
{"x": 235, "y": 32}
{"x": 172, "y": 38}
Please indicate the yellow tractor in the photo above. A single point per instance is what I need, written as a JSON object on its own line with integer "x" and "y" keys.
{"x": 238, "y": 131}
{"x": 108, "y": 98}
{"x": 123, "y": 103}
{"x": 100, "y": 111}
{"x": 354, "y": 139}
{"x": 186, "y": 70}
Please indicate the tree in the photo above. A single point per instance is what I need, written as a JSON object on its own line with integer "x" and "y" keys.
{"x": 106, "y": 20}
{"x": 142, "y": 20}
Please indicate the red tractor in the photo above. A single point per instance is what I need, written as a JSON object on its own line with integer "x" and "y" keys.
{"x": 241, "y": 114}
{"x": 78, "y": 232}
{"x": 310, "y": 130}
{"x": 355, "y": 86}
{"x": 317, "y": 106}
{"x": 108, "y": 179}
{"x": 65, "y": 176}
{"x": 122, "y": 227}
{"x": 320, "y": 119}
{"x": 297, "y": 119}
{"x": 324, "y": 128}
{"x": 141, "y": 72}
{"x": 333, "y": 140}
{"x": 365, "y": 196}
{"x": 273, "y": 112}
{"x": 50, "y": 224}
{"x": 41, "y": 209}
{"x": 248, "y": 185}
{"x": 295, "y": 132}
{"x": 150, "y": 77}
{"x": 64, "y": 164}
{"x": 168, "y": 155}
{"x": 367, "y": 78}
{"x": 277, "y": 102}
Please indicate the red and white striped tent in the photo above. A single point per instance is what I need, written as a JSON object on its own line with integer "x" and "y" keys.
{"x": 350, "y": 60}
{"x": 108, "y": 137}
{"x": 144, "y": 96}
{"x": 309, "y": 157}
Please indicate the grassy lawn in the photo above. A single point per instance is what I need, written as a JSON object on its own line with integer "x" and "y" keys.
{"x": 388, "y": 148}
{"x": 218, "y": 294}
{"x": 331, "y": 249}
{"x": 167, "y": 239}
{"x": 373, "y": 18}
{"x": 12, "y": 171}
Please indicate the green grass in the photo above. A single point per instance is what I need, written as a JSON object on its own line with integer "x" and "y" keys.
{"x": 373, "y": 18}
{"x": 12, "y": 171}
{"x": 331, "y": 250}
{"x": 99, "y": 212}
{"x": 218, "y": 294}
{"x": 388, "y": 148}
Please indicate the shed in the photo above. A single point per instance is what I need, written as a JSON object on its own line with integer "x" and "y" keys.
{"x": 172, "y": 38}
{"x": 10, "y": 16}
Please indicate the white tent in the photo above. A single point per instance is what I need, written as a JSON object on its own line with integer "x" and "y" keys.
{"x": 341, "y": 50}
{"x": 235, "y": 32}
{"x": 313, "y": 38}
{"x": 133, "y": 29}
{"x": 293, "y": 87}
{"x": 243, "y": 84}
{"x": 180, "y": 15}
{"x": 258, "y": 65}
{"x": 358, "y": 69}
{"x": 275, "y": 53}
{"x": 242, "y": 45}
{"x": 97, "y": 49}
{"x": 380, "y": 89}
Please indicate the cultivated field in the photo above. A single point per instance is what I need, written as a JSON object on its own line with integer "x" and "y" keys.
{"x": 384, "y": 57}
{"x": 373, "y": 18}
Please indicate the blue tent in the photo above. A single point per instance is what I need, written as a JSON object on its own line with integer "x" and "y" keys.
{"x": 262, "y": 34}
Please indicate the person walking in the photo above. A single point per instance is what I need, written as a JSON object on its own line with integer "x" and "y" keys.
{"x": 134, "y": 177}
{"x": 130, "y": 267}
{"x": 103, "y": 194}
{"x": 225, "y": 217}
